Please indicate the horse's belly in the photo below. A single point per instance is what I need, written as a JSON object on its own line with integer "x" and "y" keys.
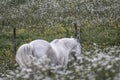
{"x": 39, "y": 52}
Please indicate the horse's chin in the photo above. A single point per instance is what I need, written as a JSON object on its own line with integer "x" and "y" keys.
{"x": 79, "y": 61}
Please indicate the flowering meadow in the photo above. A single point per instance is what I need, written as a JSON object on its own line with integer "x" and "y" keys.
{"x": 99, "y": 25}
{"x": 98, "y": 64}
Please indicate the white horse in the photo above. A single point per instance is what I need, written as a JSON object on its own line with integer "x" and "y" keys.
{"x": 37, "y": 49}
{"x": 58, "y": 51}
{"x": 64, "y": 48}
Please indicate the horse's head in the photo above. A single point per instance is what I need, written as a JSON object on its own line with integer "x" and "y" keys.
{"x": 76, "y": 51}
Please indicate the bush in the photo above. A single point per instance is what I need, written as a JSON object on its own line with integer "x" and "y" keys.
{"x": 98, "y": 64}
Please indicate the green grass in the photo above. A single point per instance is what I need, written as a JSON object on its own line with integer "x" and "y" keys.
{"x": 102, "y": 35}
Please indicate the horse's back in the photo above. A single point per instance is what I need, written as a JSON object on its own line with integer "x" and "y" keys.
{"x": 40, "y": 47}
{"x": 39, "y": 41}
{"x": 43, "y": 48}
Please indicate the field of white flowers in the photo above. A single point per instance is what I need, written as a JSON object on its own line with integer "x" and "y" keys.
{"x": 98, "y": 64}
{"x": 99, "y": 22}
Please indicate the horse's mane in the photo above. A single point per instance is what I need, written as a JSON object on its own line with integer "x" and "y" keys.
{"x": 63, "y": 39}
{"x": 55, "y": 41}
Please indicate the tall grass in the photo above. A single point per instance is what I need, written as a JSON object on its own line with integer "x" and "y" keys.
{"x": 102, "y": 35}
{"x": 98, "y": 64}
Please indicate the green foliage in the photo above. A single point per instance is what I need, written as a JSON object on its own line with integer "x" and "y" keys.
{"x": 98, "y": 21}
{"x": 102, "y": 35}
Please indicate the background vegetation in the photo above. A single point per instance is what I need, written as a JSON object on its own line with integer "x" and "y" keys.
{"x": 98, "y": 21}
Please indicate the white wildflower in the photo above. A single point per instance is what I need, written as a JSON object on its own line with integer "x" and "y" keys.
{"x": 109, "y": 67}
{"x": 16, "y": 71}
{"x": 28, "y": 70}
{"x": 9, "y": 76}
{"x": 26, "y": 76}
{"x": 94, "y": 44}
{"x": 11, "y": 73}
{"x": 69, "y": 72}
{"x": 87, "y": 53}
{"x": 18, "y": 75}
{"x": 94, "y": 65}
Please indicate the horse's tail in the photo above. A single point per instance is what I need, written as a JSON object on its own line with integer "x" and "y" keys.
{"x": 23, "y": 55}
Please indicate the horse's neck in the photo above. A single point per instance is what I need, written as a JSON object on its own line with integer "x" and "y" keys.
{"x": 63, "y": 46}
{"x": 59, "y": 49}
{"x": 62, "y": 50}
{"x": 61, "y": 54}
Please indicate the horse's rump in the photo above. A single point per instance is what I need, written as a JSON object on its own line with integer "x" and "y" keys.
{"x": 23, "y": 55}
